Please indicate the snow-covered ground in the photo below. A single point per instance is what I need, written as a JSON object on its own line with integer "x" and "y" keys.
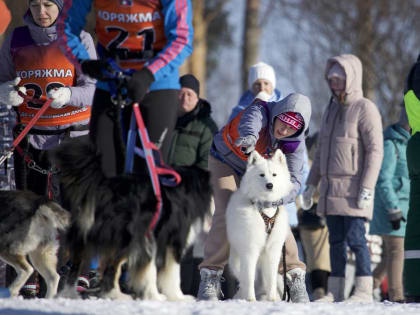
{"x": 104, "y": 307}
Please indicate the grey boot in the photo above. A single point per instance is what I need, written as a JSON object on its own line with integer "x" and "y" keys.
{"x": 335, "y": 290}
{"x": 363, "y": 291}
{"x": 209, "y": 289}
{"x": 295, "y": 280}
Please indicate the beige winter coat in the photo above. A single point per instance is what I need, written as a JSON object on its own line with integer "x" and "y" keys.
{"x": 350, "y": 147}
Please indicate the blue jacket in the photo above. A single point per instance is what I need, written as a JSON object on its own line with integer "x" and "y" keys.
{"x": 164, "y": 66}
{"x": 393, "y": 186}
{"x": 247, "y": 98}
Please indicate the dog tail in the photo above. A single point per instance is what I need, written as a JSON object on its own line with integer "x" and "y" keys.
{"x": 54, "y": 214}
{"x": 81, "y": 177}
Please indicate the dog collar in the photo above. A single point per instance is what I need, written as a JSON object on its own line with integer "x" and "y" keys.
{"x": 267, "y": 204}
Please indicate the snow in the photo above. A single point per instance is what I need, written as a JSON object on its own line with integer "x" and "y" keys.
{"x": 19, "y": 306}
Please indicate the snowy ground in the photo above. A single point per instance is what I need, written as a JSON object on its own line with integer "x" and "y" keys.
{"x": 104, "y": 307}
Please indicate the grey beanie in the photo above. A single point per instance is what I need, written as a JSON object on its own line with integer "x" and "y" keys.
{"x": 59, "y": 3}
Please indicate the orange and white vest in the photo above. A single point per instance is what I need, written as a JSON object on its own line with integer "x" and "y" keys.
{"x": 133, "y": 30}
{"x": 41, "y": 68}
{"x": 231, "y": 134}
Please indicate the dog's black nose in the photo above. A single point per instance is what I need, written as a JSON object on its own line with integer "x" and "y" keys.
{"x": 269, "y": 186}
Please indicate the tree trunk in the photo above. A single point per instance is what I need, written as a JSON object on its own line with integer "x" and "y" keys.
{"x": 17, "y": 9}
{"x": 251, "y": 39}
{"x": 196, "y": 63}
{"x": 365, "y": 47}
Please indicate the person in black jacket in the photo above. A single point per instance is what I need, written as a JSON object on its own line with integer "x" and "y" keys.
{"x": 194, "y": 129}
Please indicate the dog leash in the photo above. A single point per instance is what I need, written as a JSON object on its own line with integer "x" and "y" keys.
{"x": 28, "y": 127}
{"x": 286, "y": 290}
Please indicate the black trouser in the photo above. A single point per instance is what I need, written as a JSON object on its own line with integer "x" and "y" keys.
{"x": 108, "y": 127}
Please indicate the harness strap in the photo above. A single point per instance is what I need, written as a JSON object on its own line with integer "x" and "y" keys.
{"x": 269, "y": 222}
{"x": 125, "y": 54}
{"x": 148, "y": 149}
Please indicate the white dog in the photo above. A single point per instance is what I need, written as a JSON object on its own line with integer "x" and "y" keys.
{"x": 257, "y": 225}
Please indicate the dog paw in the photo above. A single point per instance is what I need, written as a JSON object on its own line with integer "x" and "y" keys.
{"x": 69, "y": 293}
{"x": 115, "y": 294}
{"x": 154, "y": 297}
{"x": 182, "y": 298}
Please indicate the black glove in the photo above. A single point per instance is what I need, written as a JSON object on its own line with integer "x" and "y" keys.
{"x": 96, "y": 68}
{"x": 139, "y": 84}
{"x": 395, "y": 217}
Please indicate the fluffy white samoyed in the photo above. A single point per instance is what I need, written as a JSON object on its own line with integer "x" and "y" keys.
{"x": 257, "y": 224}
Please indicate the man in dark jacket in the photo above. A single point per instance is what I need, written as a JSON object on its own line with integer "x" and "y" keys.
{"x": 194, "y": 129}
{"x": 190, "y": 146}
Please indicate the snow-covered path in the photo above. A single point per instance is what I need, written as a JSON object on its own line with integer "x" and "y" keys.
{"x": 106, "y": 307}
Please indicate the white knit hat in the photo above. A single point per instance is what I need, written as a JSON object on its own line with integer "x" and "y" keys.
{"x": 261, "y": 70}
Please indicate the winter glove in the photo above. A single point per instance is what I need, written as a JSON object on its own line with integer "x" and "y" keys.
{"x": 365, "y": 198}
{"x": 247, "y": 144}
{"x": 395, "y": 217}
{"x": 9, "y": 93}
{"x": 307, "y": 200}
{"x": 96, "y": 68}
{"x": 139, "y": 84}
{"x": 61, "y": 97}
{"x": 263, "y": 96}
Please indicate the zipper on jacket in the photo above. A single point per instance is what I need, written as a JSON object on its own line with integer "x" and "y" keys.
{"x": 352, "y": 157}
{"x": 329, "y": 155}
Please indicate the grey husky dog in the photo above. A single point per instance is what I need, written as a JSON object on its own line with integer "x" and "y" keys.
{"x": 29, "y": 226}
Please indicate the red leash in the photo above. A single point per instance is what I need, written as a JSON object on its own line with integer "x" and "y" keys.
{"x": 28, "y": 127}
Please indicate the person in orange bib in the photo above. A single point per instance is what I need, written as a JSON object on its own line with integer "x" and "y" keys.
{"x": 153, "y": 38}
{"x": 31, "y": 62}
{"x": 262, "y": 126}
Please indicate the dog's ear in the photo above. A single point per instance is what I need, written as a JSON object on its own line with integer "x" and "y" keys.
{"x": 253, "y": 158}
{"x": 279, "y": 156}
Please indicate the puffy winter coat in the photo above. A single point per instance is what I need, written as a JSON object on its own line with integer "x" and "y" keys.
{"x": 258, "y": 117}
{"x": 350, "y": 148}
{"x": 192, "y": 137}
{"x": 393, "y": 186}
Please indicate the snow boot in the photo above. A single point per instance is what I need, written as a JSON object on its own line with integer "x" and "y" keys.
{"x": 210, "y": 285}
{"x": 30, "y": 290}
{"x": 318, "y": 293}
{"x": 295, "y": 280}
{"x": 363, "y": 291}
{"x": 335, "y": 290}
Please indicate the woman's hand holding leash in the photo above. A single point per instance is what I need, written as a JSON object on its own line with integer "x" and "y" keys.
{"x": 9, "y": 93}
